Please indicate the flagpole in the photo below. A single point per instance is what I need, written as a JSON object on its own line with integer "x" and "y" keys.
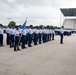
{"x": 21, "y": 34}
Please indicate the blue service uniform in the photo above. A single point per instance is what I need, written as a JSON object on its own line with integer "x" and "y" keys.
{"x": 47, "y": 35}
{"x": 23, "y": 38}
{"x": 44, "y": 35}
{"x": 30, "y": 37}
{"x": 26, "y": 36}
{"x": 35, "y": 36}
{"x": 8, "y": 36}
{"x": 20, "y": 31}
{"x": 1, "y": 36}
{"x": 12, "y": 33}
{"x": 17, "y": 38}
{"x": 53, "y": 32}
{"x": 61, "y": 35}
{"x": 50, "y": 33}
{"x": 40, "y": 35}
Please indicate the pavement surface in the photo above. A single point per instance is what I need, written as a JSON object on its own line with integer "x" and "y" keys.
{"x": 51, "y": 58}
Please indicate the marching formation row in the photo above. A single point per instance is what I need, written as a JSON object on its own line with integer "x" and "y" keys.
{"x": 17, "y": 36}
{"x": 28, "y": 35}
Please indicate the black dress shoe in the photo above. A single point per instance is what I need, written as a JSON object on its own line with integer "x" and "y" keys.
{"x": 18, "y": 49}
{"x": 24, "y": 47}
{"x": 30, "y": 46}
{"x": 62, "y": 43}
{"x": 2, "y": 45}
{"x": 15, "y": 50}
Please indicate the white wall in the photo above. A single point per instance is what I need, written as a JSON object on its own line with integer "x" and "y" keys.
{"x": 69, "y": 23}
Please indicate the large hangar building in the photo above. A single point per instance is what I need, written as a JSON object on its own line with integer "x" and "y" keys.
{"x": 69, "y": 17}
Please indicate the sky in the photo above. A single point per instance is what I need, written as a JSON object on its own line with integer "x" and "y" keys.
{"x": 38, "y": 12}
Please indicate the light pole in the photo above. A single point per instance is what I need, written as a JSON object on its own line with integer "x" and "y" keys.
{"x": 9, "y": 19}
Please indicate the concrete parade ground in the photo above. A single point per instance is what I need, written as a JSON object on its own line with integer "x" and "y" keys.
{"x": 51, "y": 58}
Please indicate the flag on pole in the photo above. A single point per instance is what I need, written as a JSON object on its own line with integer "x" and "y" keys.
{"x": 24, "y": 24}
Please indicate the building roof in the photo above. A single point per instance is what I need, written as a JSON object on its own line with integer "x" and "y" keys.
{"x": 67, "y": 12}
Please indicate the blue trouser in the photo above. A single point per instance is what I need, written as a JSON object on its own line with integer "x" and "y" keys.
{"x": 61, "y": 40}
{"x": 8, "y": 39}
{"x": 53, "y": 36}
{"x": 1, "y": 39}
{"x": 26, "y": 39}
{"x": 44, "y": 38}
{"x": 23, "y": 41}
{"x": 39, "y": 38}
{"x": 11, "y": 41}
{"x": 29, "y": 39}
{"x": 47, "y": 37}
{"x": 16, "y": 45}
{"x": 32, "y": 38}
{"x": 35, "y": 39}
{"x": 50, "y": 36}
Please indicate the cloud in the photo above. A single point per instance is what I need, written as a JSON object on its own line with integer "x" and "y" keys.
{"x": 33, "y": 2}
{"x": 64, "y": 3}
{"x": 38, "y": 11}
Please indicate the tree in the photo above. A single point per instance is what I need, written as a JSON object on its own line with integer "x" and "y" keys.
{"x": 12, "y": 23}
{"x": 40, "y": 26}
{"x": 4, "y": 26}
